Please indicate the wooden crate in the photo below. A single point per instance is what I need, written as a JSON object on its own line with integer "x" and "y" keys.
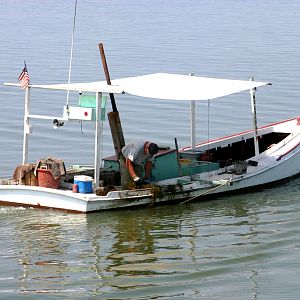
{"x": 30, "y": 179}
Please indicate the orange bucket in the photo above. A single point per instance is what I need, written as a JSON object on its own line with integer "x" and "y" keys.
{"x": 45, "y": 179}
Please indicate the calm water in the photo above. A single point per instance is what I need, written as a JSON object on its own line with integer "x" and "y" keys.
{"x": 241, "y": 247}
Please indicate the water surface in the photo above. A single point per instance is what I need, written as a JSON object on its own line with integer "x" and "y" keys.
{"x": 239, "y": 247}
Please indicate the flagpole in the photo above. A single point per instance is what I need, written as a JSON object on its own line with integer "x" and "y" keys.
{"x": 26, "y": 126}
{"x": 24, "y": 81}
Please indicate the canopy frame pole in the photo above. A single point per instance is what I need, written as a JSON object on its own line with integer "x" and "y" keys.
{"x": 193, "y": 123}
{"x": 26, "y": 126}
{"x": 98, "y": 139}
{"x": 254, "y": 118}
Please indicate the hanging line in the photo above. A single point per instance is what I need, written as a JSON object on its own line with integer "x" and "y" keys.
{"x": 71, "y": 55}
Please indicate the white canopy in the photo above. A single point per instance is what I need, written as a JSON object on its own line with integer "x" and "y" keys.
{"x": 183, "y": 87}
{"x": 164, "y": 86}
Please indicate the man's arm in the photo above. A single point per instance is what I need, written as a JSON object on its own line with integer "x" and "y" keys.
{"x": 131, "y": 170}
{"x": 148, "y": 168}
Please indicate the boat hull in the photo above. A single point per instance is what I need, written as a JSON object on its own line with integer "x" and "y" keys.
{"x": 280, "y": 161}
{"x": 195, "y": 190}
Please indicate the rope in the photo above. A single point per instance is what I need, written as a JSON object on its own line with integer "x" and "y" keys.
{"x": 204, "y": 193}
{"x": 71, "y": 55}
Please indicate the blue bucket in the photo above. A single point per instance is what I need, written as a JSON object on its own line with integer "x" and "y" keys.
{"x": 85, "y": 184}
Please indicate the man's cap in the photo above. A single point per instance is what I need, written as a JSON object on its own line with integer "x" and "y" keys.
{"x": 153, "y": 149}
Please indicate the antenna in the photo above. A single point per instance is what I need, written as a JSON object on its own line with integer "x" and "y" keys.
{"x": 71, "y": 55}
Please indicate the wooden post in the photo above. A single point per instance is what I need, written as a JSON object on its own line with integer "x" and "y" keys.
{"x": 113, "y": 117}
{"x": 107, "y": 77}
{"x": 116, "y": 131}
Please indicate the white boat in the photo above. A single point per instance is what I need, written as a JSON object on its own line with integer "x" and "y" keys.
{"x": 237, "y": 162}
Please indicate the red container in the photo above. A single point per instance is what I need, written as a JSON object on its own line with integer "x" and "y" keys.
{"x": 45, "y": 179}
{"x": 75, "y": 188}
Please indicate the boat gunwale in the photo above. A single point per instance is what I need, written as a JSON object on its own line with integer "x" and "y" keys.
{"x": 236, "y": 135}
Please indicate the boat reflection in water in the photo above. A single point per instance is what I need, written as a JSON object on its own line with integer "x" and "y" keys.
{"x": 133, "y": 252}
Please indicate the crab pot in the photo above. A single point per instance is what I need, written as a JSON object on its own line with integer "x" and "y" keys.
{"x": 30, "y": 179}
{"x": 45, "y": 179}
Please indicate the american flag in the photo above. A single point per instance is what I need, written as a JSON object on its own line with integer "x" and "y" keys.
{"x": 24, "y": 78}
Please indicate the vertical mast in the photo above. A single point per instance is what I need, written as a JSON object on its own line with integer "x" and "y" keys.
{"x": 254, "y": 117}
{"x": 98, "y": 134}
{"x": 193, "y": 122}
{"x": 26, "y": 126}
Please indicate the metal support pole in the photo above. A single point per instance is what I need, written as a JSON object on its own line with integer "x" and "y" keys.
{"x": 26, "y": 125}
{"x": 254, "y": 117}
{"x": 193, "y": 123}
{"x": 98, "y": 141}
